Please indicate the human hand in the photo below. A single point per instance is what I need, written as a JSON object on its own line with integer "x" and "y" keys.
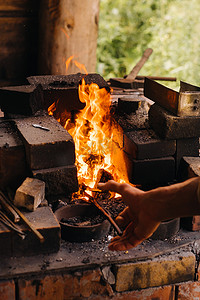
{"x": 137, "y": 218}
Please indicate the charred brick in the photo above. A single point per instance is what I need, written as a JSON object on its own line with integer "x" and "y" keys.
{"x": 13, "y": 167}
{"x": 49, "y": 148}
{"x": 169, "y": 126}
{"x": 145, "y": 144}
{"x": 23, "y": 100}
{"x": 58, "y": 181}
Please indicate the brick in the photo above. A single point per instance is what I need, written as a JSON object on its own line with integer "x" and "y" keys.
{"x": 189, "y": 167}
{"x": 153, "y": 171}
{"x": 170, "y": 127}
{"x": 30, "y": 194}
{"x": 58, "y": 181}
{"x": 129, "y": 105}
{"x": 186, "y": 147}
{"x": 7, "y": 290}
{"x": 23, "y": 100}
{"x": 46, "y": 149}
{"x": 46, "y": 223}
{"x": 13, "y": 167}
{"x": 42, "y": 288}
{"x": 191, "y": 223}
{"x": 145, "y": 144}
{"x": 159, "y": 293}
{"x": 189, "y": 290}
{"x": 157, "y": 272}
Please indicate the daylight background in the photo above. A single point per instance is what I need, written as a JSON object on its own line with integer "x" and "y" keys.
{"x": 170, "y": 27}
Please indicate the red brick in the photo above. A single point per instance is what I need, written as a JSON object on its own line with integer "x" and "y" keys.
{"x": 189, "y": 291}
{"x": 7, "y": 290}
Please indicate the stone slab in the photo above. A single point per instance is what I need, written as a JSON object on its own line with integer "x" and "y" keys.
{"x": 46, "y": 149}
{"x": 169, "y": 126}
{"x": 145, "y": 144}
{"x": 45, "y": 222}
{"x": 23, "y": 100}
{"x": 153, "y": 171}
{"x": 155, "y": 273}
{"x": 58, "y": 181}
{"x": 13, "y": 167}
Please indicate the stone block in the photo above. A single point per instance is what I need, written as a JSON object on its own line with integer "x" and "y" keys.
{"x": 46, "y": 148}
{"x": 157, "y": 272}
{"x": 58, "y": 181}
{"x": 22, "y": 100}
{"x": 45, "y": 222}
{"x": 13, "y": 167}
{"x": 169, "y": 126}
{"x": 30, "y": 194}
{"x": 7, "y": 290}
{"x": 153, "y": 171}
{"x": 145, "y": 144}
{"x": 189, "y": 167}
{"x": 186, "y": 147}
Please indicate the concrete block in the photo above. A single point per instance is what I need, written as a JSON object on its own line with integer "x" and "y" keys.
{"x": 13, "y": 167}
{"x": 23, "y": 100}
{"x": 30, "y": 194}
{"x": 153, "y": 171}
{"x": 145, "y": 144}
{"x": 58, "y": 181}
{"x": 157, "y": 272}
{"x": 46, "y": 148}
{"x": 189, "y": 167}
{"x": 169, "y": 126}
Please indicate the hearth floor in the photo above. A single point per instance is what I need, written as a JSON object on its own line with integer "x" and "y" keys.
{"x": 80, "y": 256}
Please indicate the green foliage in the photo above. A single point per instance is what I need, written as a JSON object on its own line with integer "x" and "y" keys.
{"x": 170, "y": 27}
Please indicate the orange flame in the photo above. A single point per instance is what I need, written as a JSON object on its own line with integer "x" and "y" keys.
{"x": 80, "y": 66}
{"x": 92, "y": 135}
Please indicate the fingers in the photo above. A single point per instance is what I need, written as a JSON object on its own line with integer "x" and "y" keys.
{"x": 110, "y": 185}
{"x": 125, "y": 242}
{"x": 124, "y": 218}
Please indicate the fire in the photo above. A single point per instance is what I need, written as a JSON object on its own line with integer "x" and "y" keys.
{"x": 93, "y": 135}
{"x": 80, "y": 66}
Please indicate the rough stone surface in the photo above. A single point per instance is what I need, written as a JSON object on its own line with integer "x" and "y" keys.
{"x": 144, "y": 144}
{"x": 7, "y": 290}
{"x": 13, "y": 168}
{"x": 189, "y": 167}
{"x": 170, "y": 127}
{"x": 186, "y": 147}
{"x": 23, "y": 100}
{"x": 58, "y": 181}
{"x": 155, "y": 273}
{"x": 30, "y": 194}
{"x": 189, "y": 290}
{"x": 46, "y": 149}
{"x": 45, "y": 222}
{"x": 153, "y": 171}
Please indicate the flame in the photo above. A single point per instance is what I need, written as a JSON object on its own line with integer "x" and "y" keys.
{"x": 80, "y": 66}
{"x": 92, "y": 133}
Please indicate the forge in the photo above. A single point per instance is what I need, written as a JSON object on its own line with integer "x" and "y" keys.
{"x": 47, "y": 135}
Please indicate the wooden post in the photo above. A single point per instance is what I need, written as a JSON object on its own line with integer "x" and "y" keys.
{"x": 68, "y": 28}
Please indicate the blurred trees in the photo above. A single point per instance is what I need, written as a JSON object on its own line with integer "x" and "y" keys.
{"x": 170, "y": 27}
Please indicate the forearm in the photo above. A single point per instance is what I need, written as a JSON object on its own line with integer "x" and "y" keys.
{"x": 178, "y": 200}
